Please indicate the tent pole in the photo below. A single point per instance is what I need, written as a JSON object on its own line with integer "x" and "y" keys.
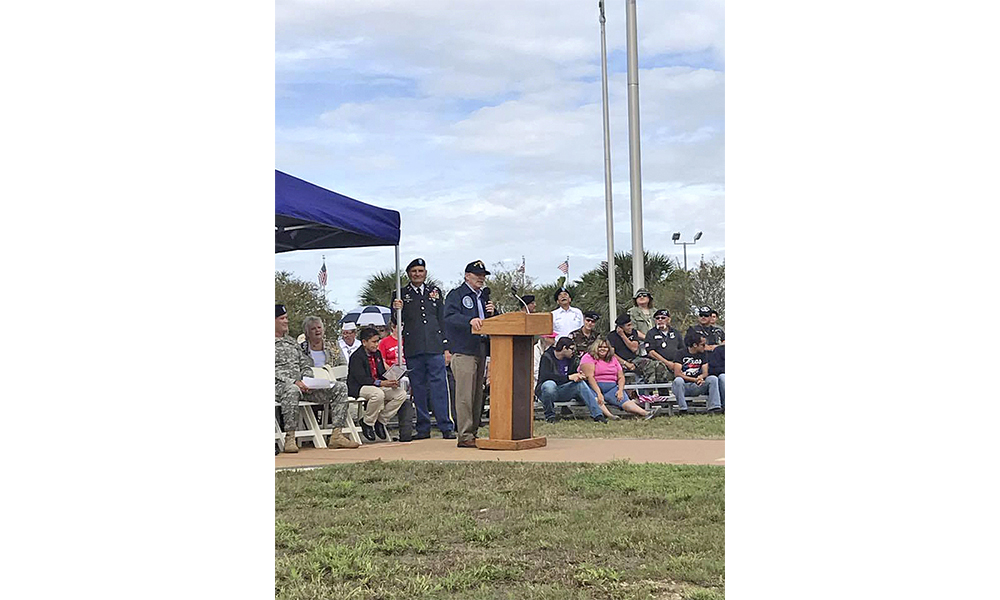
{"x": 399, "y": 315}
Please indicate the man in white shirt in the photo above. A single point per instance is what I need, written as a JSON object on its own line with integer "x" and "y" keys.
{"x": 565, "y": 319}
{"x": 348, "y": 341}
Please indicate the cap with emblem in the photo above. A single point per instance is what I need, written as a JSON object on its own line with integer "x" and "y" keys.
{"x": 661, "y": 313}
{"x": 416, "y": 262}
{"x": 279, "y": 309}
{"x": 705, "y": 311}
{"x": 623, "y": 319}
{"x": 528, "y": 298}
{"x": 476, "y": 267}
{"x": 592, "y": 315}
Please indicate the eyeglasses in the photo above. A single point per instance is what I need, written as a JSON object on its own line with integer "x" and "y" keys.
{"x": 589, "y": 319}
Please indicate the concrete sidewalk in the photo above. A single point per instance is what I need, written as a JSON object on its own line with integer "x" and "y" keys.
{"x": 679, "y": 452}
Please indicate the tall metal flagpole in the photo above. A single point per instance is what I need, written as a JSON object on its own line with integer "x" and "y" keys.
{"x": 608, "y": 211}
{"x": 635, "y": 177}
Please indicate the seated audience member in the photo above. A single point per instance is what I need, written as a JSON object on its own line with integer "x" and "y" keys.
{"x": 605, "y": 376}
{"x": 713, "y": 320}
{"x": 664, "y": 343}
{"x": 566, "y": 319}
{"x": 529, "y": 302}
{"x": 544, "y": 343}
{"x": 692, "y": 378}
{"x": 291, "y": 364}
{"x": 642, "y": 312}
{"x": 559, "y": 381}
{"x": 714, "y": 336}
{"x": 717, "y": 367}
{"x": 325, "y": 353}
{"x": 585, "y": 336}
{"x": 365, "y": 380}
{"x": 625, "y": 341}
{"x": 348, "y": 341}
{"x": 388, "y": 346}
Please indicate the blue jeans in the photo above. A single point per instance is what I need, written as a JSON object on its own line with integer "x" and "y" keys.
{"x": 427, "y": 376}
{"x": 722, "y": 389}
{"x": 550, "y": 392}
{"x": 683, "y": 388}
{"x": 610, "y": 391}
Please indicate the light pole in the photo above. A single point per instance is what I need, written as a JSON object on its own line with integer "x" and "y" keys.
{"x": 608, "y": 211}
{"x": 677, "y": 236}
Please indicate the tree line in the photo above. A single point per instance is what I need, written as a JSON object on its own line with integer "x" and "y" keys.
{"x": 673, "y": 288}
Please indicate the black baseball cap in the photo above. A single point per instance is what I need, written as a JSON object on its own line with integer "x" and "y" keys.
{"x": 622, "y": 320}
{"x": 476, "y": 267}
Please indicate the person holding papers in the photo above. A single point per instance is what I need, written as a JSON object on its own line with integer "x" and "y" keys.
{"x": 366, "y": 378}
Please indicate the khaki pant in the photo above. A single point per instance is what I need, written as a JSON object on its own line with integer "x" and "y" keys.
{"x": 382, "y": 402}
{"x": 469, "y": 374}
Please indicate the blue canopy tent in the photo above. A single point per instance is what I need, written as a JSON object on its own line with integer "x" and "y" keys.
{"x": 308, "y": 217}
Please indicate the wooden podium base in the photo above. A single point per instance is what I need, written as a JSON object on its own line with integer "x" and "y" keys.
{"x": 488, "y": 444}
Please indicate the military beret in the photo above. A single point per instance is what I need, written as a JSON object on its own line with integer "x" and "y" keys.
{"x": 555, "y": 296}
{"x": 623, "y": 319}
{"x": 590, "y": 314}
{"x": 476, "y": 267}
{"x": 416, "y": 262}
{"x": 279, "y": 309}
{"x": 661, "y": 313}
{"x": 528, "y": 298}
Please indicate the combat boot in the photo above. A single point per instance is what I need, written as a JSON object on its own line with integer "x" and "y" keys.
{"x": 290, "y": 446}
{"x": 339, "y": 440}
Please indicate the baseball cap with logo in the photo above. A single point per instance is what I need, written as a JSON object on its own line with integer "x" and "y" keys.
{"x": 476, "y": 267}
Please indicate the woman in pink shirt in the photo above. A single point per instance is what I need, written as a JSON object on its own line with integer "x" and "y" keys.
{"x": 606, "y": 378}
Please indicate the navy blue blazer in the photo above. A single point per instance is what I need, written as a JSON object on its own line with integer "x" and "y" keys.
{"x": 459, "y": 309}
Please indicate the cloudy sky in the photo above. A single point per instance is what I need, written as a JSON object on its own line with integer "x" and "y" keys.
{"x": 480, "y": 122}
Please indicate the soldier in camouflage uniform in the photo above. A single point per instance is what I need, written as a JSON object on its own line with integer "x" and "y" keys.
{"x": 290, "y": 366}
{"x": 586, "y": 335}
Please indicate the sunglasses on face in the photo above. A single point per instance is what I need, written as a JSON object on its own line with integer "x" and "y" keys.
{"x": 659, "y": 318}
{"x": 589, "y": 319}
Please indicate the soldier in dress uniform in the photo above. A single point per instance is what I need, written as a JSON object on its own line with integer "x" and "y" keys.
{"x": 423, "y": 348}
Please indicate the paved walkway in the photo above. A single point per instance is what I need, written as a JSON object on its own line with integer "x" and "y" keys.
{"x": 679, "y": 452}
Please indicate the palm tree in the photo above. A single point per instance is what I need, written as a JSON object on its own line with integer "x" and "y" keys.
{"x": 592, "y": 292}
{"x": 380, "y": 287}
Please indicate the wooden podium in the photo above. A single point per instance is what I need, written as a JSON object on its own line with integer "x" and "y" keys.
{"x": 512, "y": 380}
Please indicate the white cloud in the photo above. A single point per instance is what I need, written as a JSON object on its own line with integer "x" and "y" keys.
{"x": 481, "y": 124}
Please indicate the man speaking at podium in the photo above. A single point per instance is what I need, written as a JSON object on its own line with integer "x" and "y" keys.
{"x": 467, "y": 306}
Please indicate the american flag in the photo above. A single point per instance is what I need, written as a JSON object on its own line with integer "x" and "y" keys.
{"x": 521, "y": 268}
{"x": 322, "y": 275}
{"x": 564, "y": 267}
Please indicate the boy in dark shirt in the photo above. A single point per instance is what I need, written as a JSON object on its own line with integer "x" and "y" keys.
{"x": 559, "y": 381}
{"x": 692, "y": 378}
